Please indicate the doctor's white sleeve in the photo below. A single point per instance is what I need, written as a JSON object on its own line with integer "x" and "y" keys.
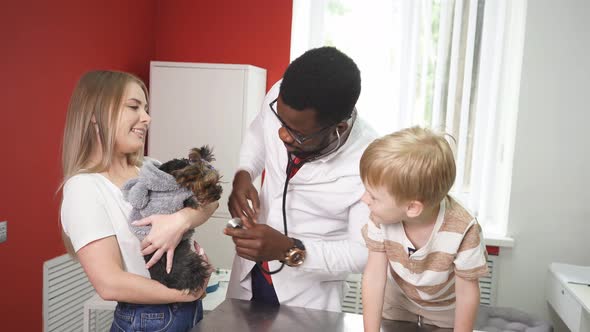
{"x": 252, "y": 151}
{"x": 342, "y": 256}
{"x": 254, "y": 146}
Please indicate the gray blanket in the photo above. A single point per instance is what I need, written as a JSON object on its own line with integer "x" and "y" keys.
{"x": 152, "y": 192}
{"x": 505, "y": 319}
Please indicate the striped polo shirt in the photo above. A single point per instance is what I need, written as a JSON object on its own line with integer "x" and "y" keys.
{"x": 427, "y": 276}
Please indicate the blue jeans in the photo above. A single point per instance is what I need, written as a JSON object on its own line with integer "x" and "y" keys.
{"x": 157, "y": 317}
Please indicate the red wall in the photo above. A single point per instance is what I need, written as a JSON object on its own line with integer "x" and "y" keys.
{"x": 44, "y": 47}
{"x": 226, "y": 31}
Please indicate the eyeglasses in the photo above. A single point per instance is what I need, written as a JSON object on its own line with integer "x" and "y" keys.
{"x": 300, "y": 139}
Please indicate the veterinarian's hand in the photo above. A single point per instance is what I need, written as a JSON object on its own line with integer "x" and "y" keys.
{"x": 166, "y": 233}
{"x": 243, "y": 191}
{"x": 259, "y": 242}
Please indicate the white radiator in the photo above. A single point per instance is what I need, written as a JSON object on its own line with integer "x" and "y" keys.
{"x": 99, "y": 314}
{"x": 352, "y": 300}
{"x": 488, "y": 285}
{"x": 101, "y": 321}
{"x": 65, "y": 288}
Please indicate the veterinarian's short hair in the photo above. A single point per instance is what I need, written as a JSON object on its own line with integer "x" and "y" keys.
{"x": 411, "y": 164}
{"x": 325, "y": 80}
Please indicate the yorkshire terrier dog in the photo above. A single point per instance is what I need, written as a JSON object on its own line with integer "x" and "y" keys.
{"x": 165, "y": 189}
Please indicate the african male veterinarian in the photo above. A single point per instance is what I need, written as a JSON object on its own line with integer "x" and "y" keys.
{"x": 301, "y": 236}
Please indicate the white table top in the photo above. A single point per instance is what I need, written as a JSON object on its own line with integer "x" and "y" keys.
{"x": 577, "y": 279}
{"x": 582, "y": 294}
{"x": 571, "y": 273}
{"x": 213, "y": 299}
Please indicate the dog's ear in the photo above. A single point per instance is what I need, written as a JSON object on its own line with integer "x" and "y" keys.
{"x": 194, "y": 155}
{"x": 207, "y": 153}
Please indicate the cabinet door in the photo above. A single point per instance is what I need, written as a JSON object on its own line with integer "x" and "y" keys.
{"x": 564, "y": 303}
{"x": 191, "y": 107}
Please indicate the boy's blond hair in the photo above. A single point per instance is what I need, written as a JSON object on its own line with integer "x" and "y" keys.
{"x": 411, "y": 164}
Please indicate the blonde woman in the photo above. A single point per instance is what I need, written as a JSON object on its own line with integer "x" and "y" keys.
{"x": 103, "y": 144}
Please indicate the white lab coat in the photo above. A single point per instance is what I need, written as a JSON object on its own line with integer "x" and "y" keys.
{"x": 323, "y": 208}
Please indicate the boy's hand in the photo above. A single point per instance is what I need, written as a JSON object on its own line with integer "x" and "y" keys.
{"x": 467, "y": 304}
{"x": 373, "y": 289}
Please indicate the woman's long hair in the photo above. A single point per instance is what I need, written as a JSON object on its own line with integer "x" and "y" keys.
{"x": 91, "y": 122}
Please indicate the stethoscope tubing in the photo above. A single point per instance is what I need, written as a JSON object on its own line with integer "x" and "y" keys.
{"x": 290, "y": 166}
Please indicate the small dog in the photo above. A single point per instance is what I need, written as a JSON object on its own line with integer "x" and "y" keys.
{"x": 165, "y": 189}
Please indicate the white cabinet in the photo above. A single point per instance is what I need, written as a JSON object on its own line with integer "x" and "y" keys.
{"x": 193, "y": 104}
{"x": 568, "y": 292}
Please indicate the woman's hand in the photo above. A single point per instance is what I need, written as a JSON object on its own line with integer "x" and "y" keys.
{"x": 199, "y": 216}
{"x": 201, "y": 252}
{"x": 190, "y": 296}
{"x": 167, "y": 231}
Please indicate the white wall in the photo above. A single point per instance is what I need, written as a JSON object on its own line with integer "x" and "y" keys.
{"x": 549, "y": 208}
{"x": 549, "y": 215}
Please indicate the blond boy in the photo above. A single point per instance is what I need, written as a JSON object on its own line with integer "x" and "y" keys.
{"x": 431, "y": 246}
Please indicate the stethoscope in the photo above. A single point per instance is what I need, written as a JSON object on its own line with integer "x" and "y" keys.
{"x": 290, "y": 166}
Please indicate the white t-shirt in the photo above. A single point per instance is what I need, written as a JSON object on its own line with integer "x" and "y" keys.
{"x": 94, "y": 208}
{"x": 427, "y": 275}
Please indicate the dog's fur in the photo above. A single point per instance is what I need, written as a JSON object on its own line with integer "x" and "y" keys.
{"x": 189, "y": 269}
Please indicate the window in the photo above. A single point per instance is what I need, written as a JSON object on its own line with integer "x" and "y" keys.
{"x": 451, "y": 65}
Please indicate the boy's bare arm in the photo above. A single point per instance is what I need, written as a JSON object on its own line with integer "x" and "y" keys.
{"x": 467, "y": 292}
{"x": 373, "y": 287}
